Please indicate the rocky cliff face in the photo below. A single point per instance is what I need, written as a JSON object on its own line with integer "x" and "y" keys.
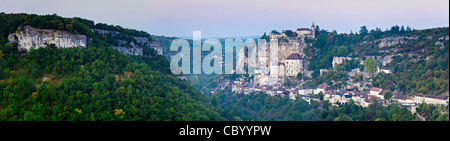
{"x": 30, "y": 37}
{"x": 390, "y": 41}
{"x": 136, "y": 47}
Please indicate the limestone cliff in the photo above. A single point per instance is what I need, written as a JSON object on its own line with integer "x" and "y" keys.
{"x": 134, "y": 47}
{"x": 391, "y": 41}
{"x": 30, "y": 37}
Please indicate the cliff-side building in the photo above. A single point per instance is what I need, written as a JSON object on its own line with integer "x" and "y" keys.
{"x": 301, "y": 33}
{"x": 291, "y": 66}
{"x": 305, "y": 32}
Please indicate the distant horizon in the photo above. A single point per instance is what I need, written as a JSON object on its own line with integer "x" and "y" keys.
{"x": 235, "y": 18}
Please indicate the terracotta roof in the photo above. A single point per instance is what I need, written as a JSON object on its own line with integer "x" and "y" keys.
{"x": 322, "y": 86}
{"x": 376, "y": 89}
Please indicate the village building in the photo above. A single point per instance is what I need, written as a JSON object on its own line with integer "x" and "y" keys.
{"x": 305, "y": 32}
{"x": 277, "y": 35}
{"x": 305, "y": 90}
{"x": 431, "y": 99}
{"x": 291, "y": 66}
{"x": 320, "y": 88}
{"x": 386, "y": 70}
{"x": 301, "y": 33}
{"x": 376, "y": 92}
{"x": 403, "y": 99}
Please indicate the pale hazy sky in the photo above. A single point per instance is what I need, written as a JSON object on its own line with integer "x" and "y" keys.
{"x": 225, "y": 18}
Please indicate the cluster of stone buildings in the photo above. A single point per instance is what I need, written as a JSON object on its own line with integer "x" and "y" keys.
{"x": 343, "y": 95}
{"x": 383, "y": 61}
{"x": 301, "y": 33}
{"x": 291, "y": 59}
{"x": 364, "y": 98}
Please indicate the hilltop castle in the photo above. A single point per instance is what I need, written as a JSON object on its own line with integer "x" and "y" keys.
{"x": 300, "y": 33}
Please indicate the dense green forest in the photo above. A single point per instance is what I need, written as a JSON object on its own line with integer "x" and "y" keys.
{"x": 92, "y": 83}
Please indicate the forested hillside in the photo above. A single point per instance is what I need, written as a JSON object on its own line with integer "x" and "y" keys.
{"x": 419, "y": 57}
{"x": 92, "y": 83}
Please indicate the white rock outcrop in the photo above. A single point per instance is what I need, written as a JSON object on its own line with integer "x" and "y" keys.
{"x": 30, "y": 37}
{"x": 136, "y": 48}
{"x": 339, "y": 60}
{"x": 394, "y": 40}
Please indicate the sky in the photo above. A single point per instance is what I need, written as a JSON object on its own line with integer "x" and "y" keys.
{"x": 233, "y": 18}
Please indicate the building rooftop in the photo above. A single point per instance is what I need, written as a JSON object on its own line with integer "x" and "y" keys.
{"x": 305, "y": 87}
{"x": 376, "y": 89}
{"x": 442, "y": 97}
{"x": 294, "y": 56}
{"x": 328, "y": 88}
{"x": 322, "y": 86}
{"x": 300, "y": 29}
{"x": 404, "y": 97}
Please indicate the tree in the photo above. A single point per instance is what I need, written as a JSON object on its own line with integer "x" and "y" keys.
{"x": 342, "y": 51}
{"x": 363, "y": 31}
{"x": 265, "y": 37}
{"x": 320, "y": 96}
{"x": 362, "y": 56}
{"x": 299, "y": 75}
{"x": 356, "y": 88}
{"x": 402, "y": 30}
{"x": 388, "y": 95}
{"x": 274, "y": 31}
{"x": 315, "y": 74}
{"x": 395, "y": 29}
{"x": 370, "y": 65}
{"x": 289, "y": 33}
{"x": 1, "y": 56}
{"x": 342, "y": 117}
{"x": 326, "y": 104}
